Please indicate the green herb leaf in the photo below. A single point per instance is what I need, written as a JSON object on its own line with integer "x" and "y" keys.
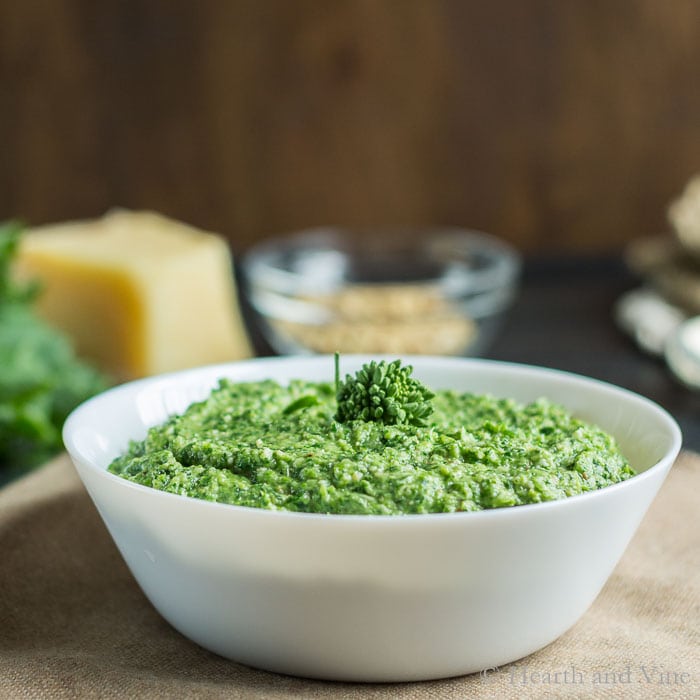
{"x": 301, "y": 402}
{"x": 41, "y": 380}
{"x": 10, "y": 290}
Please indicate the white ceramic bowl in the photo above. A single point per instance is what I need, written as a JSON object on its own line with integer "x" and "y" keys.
{"x": 371, "y": 598}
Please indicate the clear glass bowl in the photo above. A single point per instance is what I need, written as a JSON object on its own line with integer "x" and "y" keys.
{"x": 430, "y": 292}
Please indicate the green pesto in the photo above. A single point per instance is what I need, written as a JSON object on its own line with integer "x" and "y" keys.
{"x": 264, "y": 445}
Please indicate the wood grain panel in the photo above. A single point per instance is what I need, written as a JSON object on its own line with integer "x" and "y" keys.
{"x": 557, "y": 125}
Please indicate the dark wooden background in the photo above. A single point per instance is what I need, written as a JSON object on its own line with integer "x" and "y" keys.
{"x": 562, "y": 125}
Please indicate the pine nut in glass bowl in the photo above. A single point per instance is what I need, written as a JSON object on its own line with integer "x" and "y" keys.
{"x": 428, "y": 292}
{"x": 371, "y": 597}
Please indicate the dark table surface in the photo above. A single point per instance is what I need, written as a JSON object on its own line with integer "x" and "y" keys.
{"x": 563, "y": 319}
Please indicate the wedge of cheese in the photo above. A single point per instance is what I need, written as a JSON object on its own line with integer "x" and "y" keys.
{"x": 139, "y": 293}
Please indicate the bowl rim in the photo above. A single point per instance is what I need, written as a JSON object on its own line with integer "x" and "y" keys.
{"x": 664, "y": 462}
{"x": 259, "y": 267}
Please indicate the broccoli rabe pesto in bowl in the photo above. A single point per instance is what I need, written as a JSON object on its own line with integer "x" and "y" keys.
{"x": 379, "y": 443}
{"x": 371, "y": 598}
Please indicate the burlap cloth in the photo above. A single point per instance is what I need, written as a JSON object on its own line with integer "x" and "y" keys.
{"x": 73, "y": 623}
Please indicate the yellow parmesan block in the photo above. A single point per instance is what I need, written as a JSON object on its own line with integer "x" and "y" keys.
{"x": 139, "y": 293}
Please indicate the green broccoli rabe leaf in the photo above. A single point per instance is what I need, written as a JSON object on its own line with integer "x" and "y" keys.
{"x": 302, "y": 402}
{"x": 41, "y": 380}
{"x": 383, "y": 392}
{"x": 11, "y": 290}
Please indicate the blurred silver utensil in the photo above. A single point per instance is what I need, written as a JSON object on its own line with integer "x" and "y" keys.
{"x": 663, "y": 330}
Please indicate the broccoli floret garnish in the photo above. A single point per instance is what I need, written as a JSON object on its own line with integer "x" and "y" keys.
{"x": 382, "y": 392}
